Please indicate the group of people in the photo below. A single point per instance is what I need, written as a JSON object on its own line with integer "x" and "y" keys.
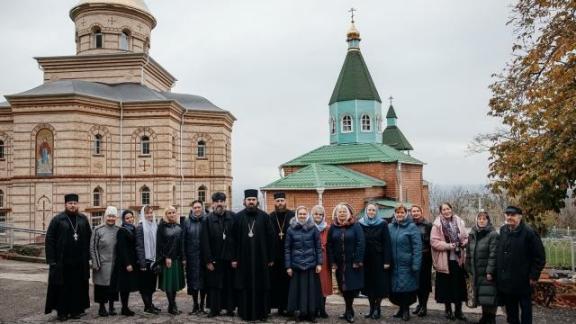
{"x": 253, "y": 262}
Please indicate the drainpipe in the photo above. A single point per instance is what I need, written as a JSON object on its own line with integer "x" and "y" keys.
{"x": 265, "y": 204}
{"x": 399, "y": 180}
{"x": 181, "y": 168}
{"x": 121, "y": 154}
{"x": 320, "y": 191}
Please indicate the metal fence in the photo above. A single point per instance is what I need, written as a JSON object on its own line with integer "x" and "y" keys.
{"x": 11, "y": 237}
{"x": 560, "y": 252}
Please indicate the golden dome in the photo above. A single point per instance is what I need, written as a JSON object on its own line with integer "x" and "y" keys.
{"x": 353, "y": 33}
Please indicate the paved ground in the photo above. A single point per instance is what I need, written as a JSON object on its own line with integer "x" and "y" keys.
{"x": 23, "y": 290}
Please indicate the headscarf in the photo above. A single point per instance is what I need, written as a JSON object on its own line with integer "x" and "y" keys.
{"x": 296, "y": 215}
{"x": 125, "y": 225}
{"x": 348, "y": 221}
{"x": 306, "y": 224}
{"x": 367, "y": 221}
{"x": 322, "y": 226}
{"x": 149, "y": 229}
{"x": 450, "y": 228}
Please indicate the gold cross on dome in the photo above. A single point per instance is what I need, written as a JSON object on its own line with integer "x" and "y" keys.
{"x": 351, "y": 11}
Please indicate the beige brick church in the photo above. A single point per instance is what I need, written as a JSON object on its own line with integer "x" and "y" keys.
{"x": 106, "y": 125}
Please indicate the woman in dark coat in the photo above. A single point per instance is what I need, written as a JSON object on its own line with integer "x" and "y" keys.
{"x": 377, "y": 259}
{"x": 169, "y": 251}
{"x": 406, "y": 261}
{"x": 303, "y": 262}
{"x": 346, "y": 246}
{"x": 126, "y": 261}
{"x": 146, "y": 255}
{"x": 192, "y": 228}
{"x": 481, "y": 265}
{"x": 425, "y": 282}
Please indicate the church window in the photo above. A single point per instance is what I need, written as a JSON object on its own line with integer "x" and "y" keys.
{"x": 201, "y": 149}
{"x": 366, "y": 123}
{"x": 2, "y": 150}
{"x": 145, "y": 195}
{"x": 97, "y": 197}
{"x": 202, "y": 193}
{"x": 3, "y": 220}
{"x": 125, "y": 40}
{"x": 332, "y": 126}
{"x": 145, "y": 145}
{"x": 96, "y": 218}
{"x": 346, "y": 124}
{"x": 1, "y": 199}
{"x": 98, "y": 144}
{"x": 97, "y": 34}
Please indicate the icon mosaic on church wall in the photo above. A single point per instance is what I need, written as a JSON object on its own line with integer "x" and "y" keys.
{"x": 44, "y": 152}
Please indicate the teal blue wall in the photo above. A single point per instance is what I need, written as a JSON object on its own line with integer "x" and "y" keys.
{"x": 356, "y": 108}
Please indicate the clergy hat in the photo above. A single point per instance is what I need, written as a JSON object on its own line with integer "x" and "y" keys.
{"x": 71, "y": 197}
{"x": 279, "y": 195}
{"x": 513, "y": 210}
{"x": 250, "y": 193}
{"x": 218, "y": 196}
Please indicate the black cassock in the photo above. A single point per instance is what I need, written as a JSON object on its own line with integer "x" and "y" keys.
{"x": 253, "y": 239}
{"x": 68, "y": 256}
{"x": 279, "y": 279}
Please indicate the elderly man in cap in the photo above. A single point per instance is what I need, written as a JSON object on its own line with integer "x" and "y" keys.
{"x": 520, "y": 258}
{"x": 280, "y": 280}
{"x": 68, "y": 254}
{"x": 254, "y": 255}
{"x": 217, "y": 247}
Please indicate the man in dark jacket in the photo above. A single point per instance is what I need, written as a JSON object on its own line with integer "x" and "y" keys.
{"x": 68, "y": 254}
{"x": 519, "y": 260}
{"x": 217, "y": 251}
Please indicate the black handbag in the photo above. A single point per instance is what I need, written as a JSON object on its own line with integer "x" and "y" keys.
{"x": 156, "y": 267}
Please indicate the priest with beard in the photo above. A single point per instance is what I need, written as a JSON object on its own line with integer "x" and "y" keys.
{"x": 217, "y": 246}
{"x": 68, "y": 254}
{"x": 254, "y": 255}
{"x": 280, "y": 280}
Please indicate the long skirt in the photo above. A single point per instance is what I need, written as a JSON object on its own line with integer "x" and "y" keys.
{"x": 425, "y": 282}
{"x": 104, "y": 294}
{"x": 451, "y": 287}
{"x": 304, "y": 292}
{"x": 147, "y": 280}
{"x": 403, "y": 298}
{"x": 172, "y": 279}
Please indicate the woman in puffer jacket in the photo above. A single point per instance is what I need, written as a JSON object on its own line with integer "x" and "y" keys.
{"x": 303, "y": 261}
{"x": 481, "y": 266}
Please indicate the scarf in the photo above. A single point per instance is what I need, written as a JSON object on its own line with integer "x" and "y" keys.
{"x": 450, "y": 228}
{"x": 322, "y": 226}
{"x": 149, "y": 229}
{"x": 367, "y": 221}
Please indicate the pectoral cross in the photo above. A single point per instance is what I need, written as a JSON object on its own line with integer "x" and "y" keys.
{"x": 75, "y": 236}
{"x": 281, "y": 235}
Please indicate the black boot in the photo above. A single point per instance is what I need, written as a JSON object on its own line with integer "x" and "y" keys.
{"x": 458, "y": 312}
{"x": 423, "y": 311}
{"x": 102, "y": 311}
{"x": 417, "y": 309}
{"x": 111, "y": 310}
{"x": 406, "y": 314}
{"x": 371, "y": 313}
{"x": 377, "y": 312}
{"x": 448, "y": 311}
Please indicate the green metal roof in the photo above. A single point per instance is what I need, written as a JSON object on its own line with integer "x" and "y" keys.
{"x": 386, "y": 207}
{"x": 391, "y": 113}
{"x": 354, "y": 81}
{"x": 392, "y": 136}
{"x": 324, "y": 176}
{"x": 352, "y": 153}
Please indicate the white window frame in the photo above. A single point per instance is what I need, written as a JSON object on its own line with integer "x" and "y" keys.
{"x": 342, "y": 124}
{"x": 369, "y": 128}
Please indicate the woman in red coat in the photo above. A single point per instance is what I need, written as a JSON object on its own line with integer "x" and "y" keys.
{"x": 319, "y": 216}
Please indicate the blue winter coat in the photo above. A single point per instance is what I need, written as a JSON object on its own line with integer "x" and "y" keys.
{"x": 406, "y": 255}
{"x": 191, "y": 233}
{"x": 302, "y": 249}
{"x": 345, "y": 247}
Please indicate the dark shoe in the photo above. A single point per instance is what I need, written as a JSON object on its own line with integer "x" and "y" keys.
{"x": 212, "y": 314}
{"x": 417, "y": 310}
{"x": 151, "y": 310}
{"x": 230, "y": 313}
{"x": 174, "y": 311}
{"x": 127, "y": 312}
{"x": 349, "y": 318}
{"x": 423, "y": 312}
{"x": 201, "y": 310}
{"x": 377, "y": 313}
{"x": 398, "y": 313}
{"x": 62, "y": 318}
{"x": 102, "y": 312}
{"x": 112, "y": 311}
{"x": 156, "y": 308}
{"x": 195, "y": 310}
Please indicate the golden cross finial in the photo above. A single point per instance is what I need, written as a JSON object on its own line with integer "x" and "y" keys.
{"x": 351, "y": 11}
{"x": 391, "y": 99}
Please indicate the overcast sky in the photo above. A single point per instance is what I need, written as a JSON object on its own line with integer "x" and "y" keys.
{"x": 274, "y": 64}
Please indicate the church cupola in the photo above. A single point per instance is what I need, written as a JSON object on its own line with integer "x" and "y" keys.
{"x": 355, "y": 105}
{"x": 392, "y": 135}
{"x": 112, "y": 26}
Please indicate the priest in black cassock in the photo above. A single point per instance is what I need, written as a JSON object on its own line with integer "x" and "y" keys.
{"x": 68, "y": 254}
{"x": 253, "y": 257}
{"x": 280, "y": 280}
{"x": 217, "y": 245}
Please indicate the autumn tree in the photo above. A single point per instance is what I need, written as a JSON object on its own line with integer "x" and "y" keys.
{"x": 533, "y": 158}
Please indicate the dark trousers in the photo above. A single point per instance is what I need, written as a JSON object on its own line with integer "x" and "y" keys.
{"x": 513, "y": 303}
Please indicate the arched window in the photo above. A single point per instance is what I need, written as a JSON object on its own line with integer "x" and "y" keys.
{"x": 125, "y": 40}
{"x": 2, "y": 149}
{"x": 97, "y": 197}
{"x": 97, "y": 144}
{"x": 97, "y": 35}
{"x": 145, "y": 195}
{"x": 145, "y": 145}
{"x": 332, "y": 126}
{"x": 202, "y": 193}
{"x": 201, "y": 149}
{"x": 366, "y": 123}
{"x": 346, "y": 124}
{"x": 1, "y": 199}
